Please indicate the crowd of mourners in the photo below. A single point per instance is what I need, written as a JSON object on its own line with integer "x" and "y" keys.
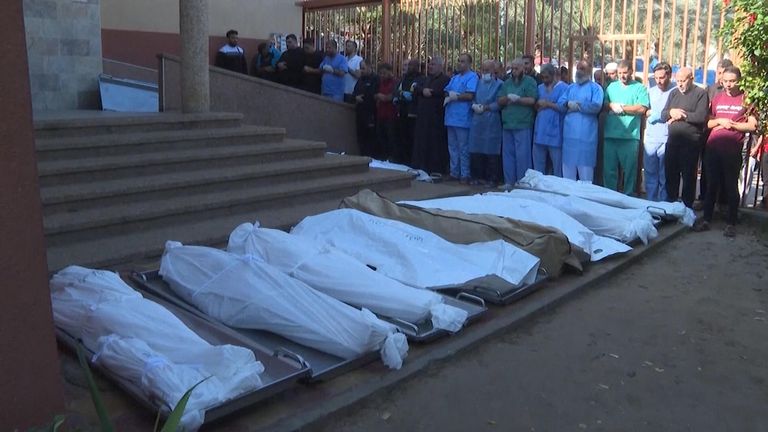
{"x": 488, "y": 126}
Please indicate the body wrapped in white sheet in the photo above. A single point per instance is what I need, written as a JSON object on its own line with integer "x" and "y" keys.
{"x": 245, "y": 292}
{"x": 143, "y": 342}
{"x": 536, "y": 180}
{"x": 598, "y": 247}
{"x": 415, "y": 256}
{"x": 342, "y": 277}
{"x": 621, "y": 224}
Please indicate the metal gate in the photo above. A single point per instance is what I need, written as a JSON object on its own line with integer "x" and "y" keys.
{"x": 682, "y": 32}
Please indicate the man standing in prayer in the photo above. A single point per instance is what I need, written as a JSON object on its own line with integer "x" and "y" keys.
{"x": 365, "y": 110}
{"x": 610, "y": 74}
{"x": 386, "y": 113}
{"x": 548, "y": 129}
{"x": 686, "y": 112}
{"x": 656, "y": 132}
{"x": 729, "y": 121}
{"x": 353, "y": 69}
{"x": 458, "y": 116}
{"x": 517, "y": 96}
{"x": 406, "y": 104}
{"x": 583, "y": 101}
{"x": 231, "y": 56}
{"x": 626, "y": 101}
{"x": 290, "y": 65}
{"x": 430, "y": 144}
{"x": 311, "y": 79}
{"x": 334, "y": 68}
{"x": 485, "y": 132}
{"x": 528, "y": 61}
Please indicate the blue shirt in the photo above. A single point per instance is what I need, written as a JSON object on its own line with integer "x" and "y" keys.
{"x": 333, "y": 85}
{"x": 459, "y": 113}
{"x": 548, "y": 129}
{"x": 656, "y": 130}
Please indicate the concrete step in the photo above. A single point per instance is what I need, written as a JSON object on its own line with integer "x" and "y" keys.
{"x": 151, "y": 141}
{"x": 131, "y": 232}
{"x": 80, "y": 199}
{"x": 103, "y": 168}
{"x": 141, "y": 249}
{"x": 97, "y": 123}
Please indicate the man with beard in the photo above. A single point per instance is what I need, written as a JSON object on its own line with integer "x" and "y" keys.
{"x": 406, "y": 104}
{"x": 290, "y": 65}
{"x": 430, "y": 145}
{"x": 686, "y": 112}
{"x": 626, "y": 101}
{"x": 528, "y": 61}
{"x": 548, "y": 130}
{"x": 656, "y": 132}
{"x": 729, "y": 121}
{"x": 583, "y": 101}
{"x": 231, "y": 56}
{"x": 485, "y": 132}
{"x": 458, "y": 116}
{"x": 333, "y": 68}
{"x": 310, "y": 80}
{"x": 517, "y": 96}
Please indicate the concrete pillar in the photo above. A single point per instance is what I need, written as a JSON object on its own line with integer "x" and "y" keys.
{"x": 31, "y": 384}
{"x": 193, "y": 30}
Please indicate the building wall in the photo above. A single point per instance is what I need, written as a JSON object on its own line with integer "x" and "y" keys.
{"x": 136, "y": 31}
{"x": 64, "y": 51}
{"x": 31, "y": 384}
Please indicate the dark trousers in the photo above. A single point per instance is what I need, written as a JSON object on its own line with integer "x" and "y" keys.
{"x": 404, "y": 150}
{"x": 366, "y": 134}
{"x": 485, "y": 167}
{"x": 723, "y": 166}
{"x": 386, "y": 138}
{"x": 704, "y": 181}
{"x": 681, "y": 162}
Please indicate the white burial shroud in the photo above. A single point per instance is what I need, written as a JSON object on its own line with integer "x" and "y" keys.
{"x": 245, "y": 292}
{"x": 342, "y": 277}
{"x": 624, "y": 225}
{"x": 415, "y": 256}
{"x": 597, "y": 246}
{"x": 536, "y": 180}
{"x": 144, "y": 343}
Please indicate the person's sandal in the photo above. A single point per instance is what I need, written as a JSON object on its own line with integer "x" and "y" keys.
{"x": 700, "y": 225}
{"x": 729, "y": 231}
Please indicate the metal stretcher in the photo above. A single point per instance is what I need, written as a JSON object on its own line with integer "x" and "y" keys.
{"x": 493, "y": 289}
{"x": 322, "y": 366}
{"x": 280, "y": 372}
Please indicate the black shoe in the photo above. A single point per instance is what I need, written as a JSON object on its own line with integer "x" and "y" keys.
{"x": 700, "y": 225}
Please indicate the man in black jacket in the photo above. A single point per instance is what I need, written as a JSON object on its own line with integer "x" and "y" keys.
{"x": 686, "y": 112}
{"x": 365, "y": 107}
{"x": 231, "y": 56}
{"x": 406, "y": 102}
{"x": 312, "y": 58}
{"x": 290, "y": 66}
{"x": 430, "y": 144}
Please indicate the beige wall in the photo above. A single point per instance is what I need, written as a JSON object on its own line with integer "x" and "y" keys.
{"x": 251, "y": 18}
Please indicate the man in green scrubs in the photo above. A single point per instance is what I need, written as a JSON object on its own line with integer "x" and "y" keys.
{"x": 626, "y": 101}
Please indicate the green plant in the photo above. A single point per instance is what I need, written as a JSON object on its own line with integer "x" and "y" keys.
{"x": 745, "y": 31}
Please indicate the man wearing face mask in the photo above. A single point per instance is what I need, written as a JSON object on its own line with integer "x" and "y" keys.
{"x": 626, "y": 101}
{"x": 686, "y": 113}
{"x": 583, "y": 101}
{"x": 517, "y": 96}
{"x": 485, "y": 132}
{"x": 548, "y": 130}
{"x": 430, "y": 148}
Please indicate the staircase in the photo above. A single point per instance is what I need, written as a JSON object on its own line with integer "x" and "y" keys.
{"x": 114, "y": 188}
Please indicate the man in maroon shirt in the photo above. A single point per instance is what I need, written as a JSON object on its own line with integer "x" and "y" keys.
{"x": 386, "y": 113}
{"x": 729, "y": 121}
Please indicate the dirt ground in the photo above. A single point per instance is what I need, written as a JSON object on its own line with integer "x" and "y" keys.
{"x": 678, "y": 342}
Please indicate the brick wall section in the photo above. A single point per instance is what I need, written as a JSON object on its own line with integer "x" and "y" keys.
{"x": 64, "y": 50}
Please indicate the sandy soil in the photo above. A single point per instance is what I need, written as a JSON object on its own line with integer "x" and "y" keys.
{"x": 678, "y": 342}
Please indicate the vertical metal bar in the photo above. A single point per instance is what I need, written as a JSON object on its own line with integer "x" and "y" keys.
{"x": 673, "y": 20}
{"x": 684, "y": 30}
{"x": 560, "y": 32}
{"x": 601, "y": 29}
{"x": 497, "y": 44}
{"x": 694, "y": 48}
{"x": 707, "y": 41}
{"x": 647, "y": 53}
{"x": 719, "y": 39}
{"x": 506, "y": 33}
{"x": 612, "y": 30}
{"x": 624, "y": 28}
{"x": 514, "y": 44}
{"x": 636, "y": 19}
{"x": 661, "y": 30}
{"x": 386, "y": 33}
